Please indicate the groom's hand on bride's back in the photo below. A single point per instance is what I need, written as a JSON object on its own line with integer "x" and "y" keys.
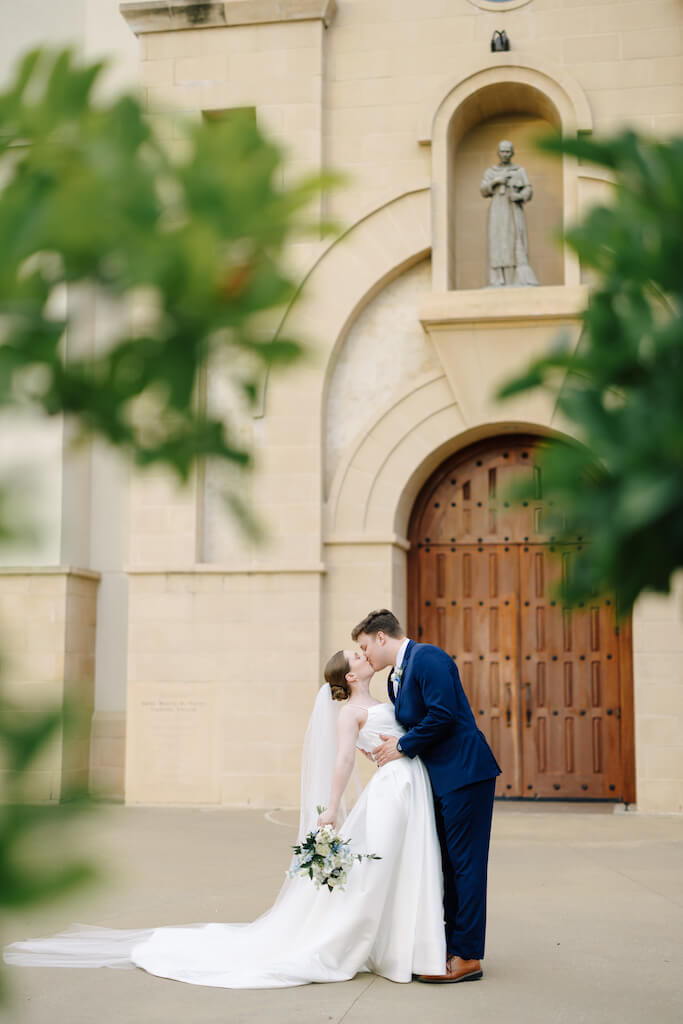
{"x": 388, "y": 750}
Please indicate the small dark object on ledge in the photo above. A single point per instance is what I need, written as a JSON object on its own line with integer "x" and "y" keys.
{"x": 500, "y": 41}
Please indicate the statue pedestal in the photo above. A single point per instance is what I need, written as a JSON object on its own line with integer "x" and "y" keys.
{"x": 486, "y": 336}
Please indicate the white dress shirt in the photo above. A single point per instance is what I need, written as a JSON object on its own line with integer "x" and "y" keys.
{"x": 399, "y": 661}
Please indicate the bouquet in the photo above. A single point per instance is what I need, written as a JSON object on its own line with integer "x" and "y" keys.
{"x": 325, "y": 857}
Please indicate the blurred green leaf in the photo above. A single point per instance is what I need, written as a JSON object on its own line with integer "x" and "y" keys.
{"x": 94, "y": 199}
{"x": 189, "y": 240}
{"x": 622, "y": 389}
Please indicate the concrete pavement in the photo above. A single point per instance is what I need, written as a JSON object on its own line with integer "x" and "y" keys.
{"x": 585, "y": 923}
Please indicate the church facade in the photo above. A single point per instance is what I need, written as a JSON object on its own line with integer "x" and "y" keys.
{"x": 383, "y": 460}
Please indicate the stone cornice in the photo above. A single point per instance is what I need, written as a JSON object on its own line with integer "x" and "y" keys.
{"x": 50, "y": 570}
{"x": 167, "y": 15}
{"x": 216, "y": 569}
{"x": 497, "y": 305}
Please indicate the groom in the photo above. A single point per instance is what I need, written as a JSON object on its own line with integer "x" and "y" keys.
{"x": 431, "y": 705}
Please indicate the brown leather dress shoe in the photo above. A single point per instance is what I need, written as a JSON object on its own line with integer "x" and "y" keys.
{"x": 457, "y": 969}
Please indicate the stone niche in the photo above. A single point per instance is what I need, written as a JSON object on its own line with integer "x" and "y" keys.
{"x": 520, "y": 113}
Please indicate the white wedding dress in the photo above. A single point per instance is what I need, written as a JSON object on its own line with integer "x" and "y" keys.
{"x": 388, "y": 919}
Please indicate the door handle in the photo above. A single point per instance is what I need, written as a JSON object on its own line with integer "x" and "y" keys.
{"x": 508, "y": 704}
{"x": 528, "y": 704}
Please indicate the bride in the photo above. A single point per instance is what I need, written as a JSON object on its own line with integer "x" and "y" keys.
{"x": 388, "y": 919}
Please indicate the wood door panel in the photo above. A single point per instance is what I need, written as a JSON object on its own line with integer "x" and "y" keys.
{"x": 466, "y": 502}
{"x": 545, "y": 684}
{"x": 467, "y": 606}
{"x": 571, "y": 731}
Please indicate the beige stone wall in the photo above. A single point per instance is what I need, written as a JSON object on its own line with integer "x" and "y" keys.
{"x": 385, "y": 347}
{"x": 355, "y": 96}
{"x": 223, "y": 669}
{"x": 210, "y": 646}
{"x": 108, "y": 755}
{"x": 658, "y": 671}
{"x": 384, "y": 67}
{"x": 47, "y": 623}
{"x": 73, "y": 500}
{"x": 276, "y": 68}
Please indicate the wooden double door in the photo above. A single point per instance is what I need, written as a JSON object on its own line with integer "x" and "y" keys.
{"x": 550, "y": 687}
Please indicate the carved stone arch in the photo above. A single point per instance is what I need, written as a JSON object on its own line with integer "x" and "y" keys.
{"x": 510, "y": 83}
{"x": 375, "y": 487}
{"x": 368, "y": 484}
{"x": 345, "y": 278}
{"x": 562, "y": 90}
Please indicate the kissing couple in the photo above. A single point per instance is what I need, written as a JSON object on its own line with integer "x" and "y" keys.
{"x": 417, "y": 912}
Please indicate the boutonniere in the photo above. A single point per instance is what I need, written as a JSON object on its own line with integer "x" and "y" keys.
{"x": 397, "y": 674}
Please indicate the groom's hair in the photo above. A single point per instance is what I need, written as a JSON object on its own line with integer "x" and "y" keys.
{"x": 379, "y": 621}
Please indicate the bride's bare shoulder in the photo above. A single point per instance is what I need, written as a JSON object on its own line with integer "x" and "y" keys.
{"x": 357, "y": 713}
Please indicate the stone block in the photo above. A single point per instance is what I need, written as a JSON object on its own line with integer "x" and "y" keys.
{"x": 109, "y": 724}
{"x": 629, "y": 105}
{"x": 656, "y": 637}
{"x": 303, "y": 116}
{"x": 665, "y": 608}
{"x": 655, "y": 670}
{"x": 568, "y": 24}
{"x": 38, "y": 786}
{"x": 666, "y": 125}
{"x": 161, "y": 606}
{"x": 157, "y": 72}
{"x": 293, "y": 36}
{"x": 660, "y": 797}
{"x": 664, "y": 763}
{"x": 659, "y": 731}
{"x": 253, "y": 758}
{"x": 107, "y": 783}
{"x": 172, "y": 744}
{"x": 357, "y": 65}
{"x": 162, "y": 98}
{"x": 193, "y": 70}
{"x": 651, "y": 42}
{"x": 632, "y": 16}
{"x": 579, "y": 50}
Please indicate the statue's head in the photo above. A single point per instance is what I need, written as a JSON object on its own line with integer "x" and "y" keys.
{"x": 505, "y": 151}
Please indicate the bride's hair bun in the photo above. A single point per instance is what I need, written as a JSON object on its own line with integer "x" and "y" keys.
{"x": 340, "y": 692}
{"x": 335, "y": 675}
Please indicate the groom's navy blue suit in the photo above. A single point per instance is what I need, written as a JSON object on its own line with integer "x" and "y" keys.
{"x": 431, "y": 705}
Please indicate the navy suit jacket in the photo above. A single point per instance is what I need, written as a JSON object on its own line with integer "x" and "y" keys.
{"x": 431, "y": 705}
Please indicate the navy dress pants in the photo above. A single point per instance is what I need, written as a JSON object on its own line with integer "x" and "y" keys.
{"x": 463, "y": 820}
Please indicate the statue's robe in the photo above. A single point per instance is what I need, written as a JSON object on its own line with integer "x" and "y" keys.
{"x": 508, "y": 246}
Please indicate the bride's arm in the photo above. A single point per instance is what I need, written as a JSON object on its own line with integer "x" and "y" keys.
{"x": 348, "y": 728}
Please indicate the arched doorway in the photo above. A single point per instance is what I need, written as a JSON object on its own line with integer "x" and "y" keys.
{"x": 551, "y": 689}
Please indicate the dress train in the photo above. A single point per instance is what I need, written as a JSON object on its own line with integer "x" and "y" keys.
{"x": 388, "y": 919}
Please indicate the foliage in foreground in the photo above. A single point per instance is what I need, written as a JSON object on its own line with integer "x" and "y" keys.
{"x": 621, "y": 390}
{"x": 183, "y": 246}
{"x": 183, "y": 242}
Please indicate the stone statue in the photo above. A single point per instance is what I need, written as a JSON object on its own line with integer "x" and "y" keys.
{"x": 508, "y": 246}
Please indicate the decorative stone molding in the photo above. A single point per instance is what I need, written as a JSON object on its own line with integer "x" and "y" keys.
{"x": 515, "y": 82}
{"x": 352, "y": 269}
{"x": 372, "y": 540}
{"x": 49, "y": 570}
{"x": 217, "y": 569}
{"x": 564, "y": 95}
{"x": 145, "y": 16}
{"x": 491, "y": 305}
{"x": 500, "y": 6}
{"x": 483, "y": 337}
